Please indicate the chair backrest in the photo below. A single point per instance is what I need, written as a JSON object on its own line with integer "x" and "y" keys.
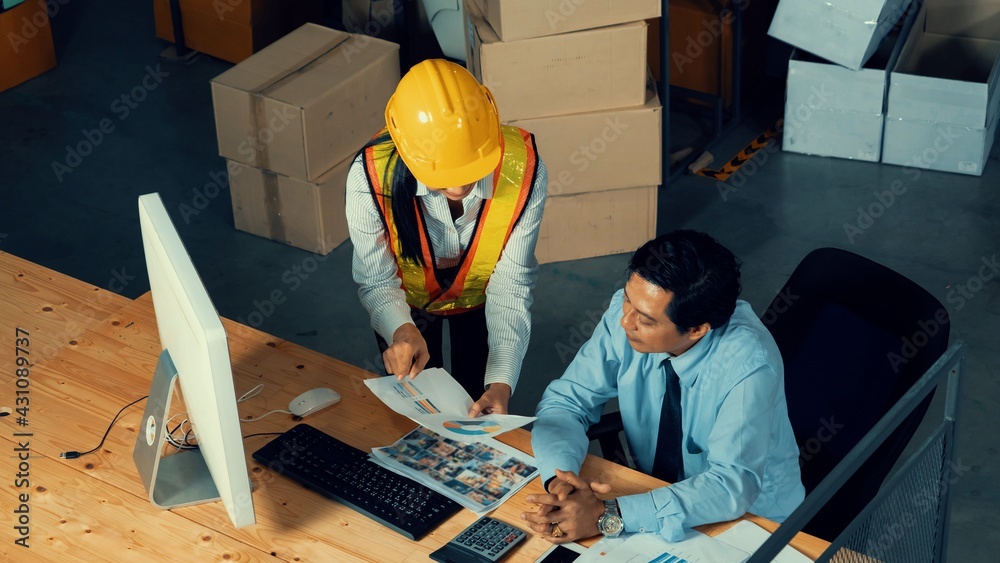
{"x": 854, "y": 336}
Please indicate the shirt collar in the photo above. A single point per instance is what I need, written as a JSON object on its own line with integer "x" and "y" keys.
{"x": 483, "y": 189}
{"x": 685, "y": 363}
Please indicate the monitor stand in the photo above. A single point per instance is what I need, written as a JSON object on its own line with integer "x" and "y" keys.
{"x": 181, "y": 478}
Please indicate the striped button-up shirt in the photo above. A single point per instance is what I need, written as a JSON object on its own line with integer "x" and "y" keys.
{"x": 508, "y": 294}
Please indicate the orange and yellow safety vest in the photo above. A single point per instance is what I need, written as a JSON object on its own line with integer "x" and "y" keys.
{"x": 512, "y": 183}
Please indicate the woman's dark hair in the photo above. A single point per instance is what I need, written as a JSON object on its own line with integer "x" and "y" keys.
{"x": 402, "y": 195}
{"x": 703, "y": 276}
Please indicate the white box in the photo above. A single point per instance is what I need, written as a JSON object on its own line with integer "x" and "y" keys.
{"x": 847, "y": 32}
{"x": 834, "y": 111}
{"x": 943, "y": 103}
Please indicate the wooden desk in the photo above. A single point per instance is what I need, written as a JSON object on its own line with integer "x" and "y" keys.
{"x": 95, "y": 507}
{"x": 51, "y": 307}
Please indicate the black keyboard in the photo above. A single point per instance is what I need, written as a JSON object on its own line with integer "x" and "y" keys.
{"x": 343, "y": 473}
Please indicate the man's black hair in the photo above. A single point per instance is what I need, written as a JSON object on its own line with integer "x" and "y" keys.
{"x": 402, "y": 195}
{"x": 703, "y": 276}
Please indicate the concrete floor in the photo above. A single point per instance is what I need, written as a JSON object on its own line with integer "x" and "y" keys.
{"x": 81, "y": 220}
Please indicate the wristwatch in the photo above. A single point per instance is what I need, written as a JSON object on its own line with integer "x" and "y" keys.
{"x": 610, "y": 523}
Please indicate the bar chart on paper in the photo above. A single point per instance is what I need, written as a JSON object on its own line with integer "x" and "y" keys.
{"x": 408, "y": 390}
{"x": 435, "y": 400}
{"x": 696, "y": 547}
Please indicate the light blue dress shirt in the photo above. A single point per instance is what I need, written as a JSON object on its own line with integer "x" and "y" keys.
{"x": 739, "y": 451}
{"x": 508, "y": 294}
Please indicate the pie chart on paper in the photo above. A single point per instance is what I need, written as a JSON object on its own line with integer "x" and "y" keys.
{"x": 472, "y": 427}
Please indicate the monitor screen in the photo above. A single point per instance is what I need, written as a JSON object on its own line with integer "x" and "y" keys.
{"x": 196, "y": 354}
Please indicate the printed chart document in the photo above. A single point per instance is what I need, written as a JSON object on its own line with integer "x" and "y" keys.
{"x": 479, "y": 475}
{"x": 435, "y": 400}
{"x": 696, "y": 547}
{"x": 748, "y": 536}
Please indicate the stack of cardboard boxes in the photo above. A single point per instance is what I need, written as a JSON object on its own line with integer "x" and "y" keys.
{"x": 894, "y": 81}
{"x": 290, "y": 120}
{"x": 574, "y": 74}
{"x": 26, "y": 48}
{"x": 232, "y": 30}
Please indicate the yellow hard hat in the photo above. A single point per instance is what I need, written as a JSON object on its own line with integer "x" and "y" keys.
{"x": 444, "y": 125}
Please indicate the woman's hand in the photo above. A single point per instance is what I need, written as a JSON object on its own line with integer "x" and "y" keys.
{"x": 493, "y": 401}
{"x": 408, "y": 353}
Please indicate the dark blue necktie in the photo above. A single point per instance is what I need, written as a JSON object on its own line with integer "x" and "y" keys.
{"x": 669, "y": 463}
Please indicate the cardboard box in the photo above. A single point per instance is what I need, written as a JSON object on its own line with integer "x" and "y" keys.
{"x": 600, "y": 150}
{"x": 846, "y": 32}
{"x": 26, "y": 48}
{"x": 524, "y": 19}
{"x": 305, "y": 103}
{"x": 834, "y": 111}
{"x": 596, "y": 224}
{"x": 701, "y": 47}
{"x": 307, "y": 215}
{"x": 943, "y": 100}
{"x": 232, "y": 30}
{"x": 559, "y": 74}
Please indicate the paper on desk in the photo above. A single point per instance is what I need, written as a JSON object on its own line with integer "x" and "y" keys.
{"x": 435, "y": 400}
{"x": 479, "y": 475}
{"x": 696, "y": 547}
{"x": 749, "y": 537}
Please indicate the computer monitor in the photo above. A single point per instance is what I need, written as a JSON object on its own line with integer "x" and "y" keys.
{"x": 195, "y": 353}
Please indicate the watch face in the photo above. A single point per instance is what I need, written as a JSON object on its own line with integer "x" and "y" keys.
{"x": 610, "y": 525}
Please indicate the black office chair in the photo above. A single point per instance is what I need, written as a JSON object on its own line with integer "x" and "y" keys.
{"x": 608, "y": 433}
{"x": 854, "y": 336}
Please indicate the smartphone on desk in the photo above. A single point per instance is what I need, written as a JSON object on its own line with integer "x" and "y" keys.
{"x": 562, "y": 553}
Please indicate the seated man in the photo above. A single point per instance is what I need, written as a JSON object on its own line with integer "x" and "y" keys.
{"x": 699, "y": 382}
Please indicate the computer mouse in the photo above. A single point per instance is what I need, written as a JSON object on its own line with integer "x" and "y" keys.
{"x": 313, "y": 400}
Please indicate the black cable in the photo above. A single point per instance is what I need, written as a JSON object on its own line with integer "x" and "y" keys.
{"x": 75, "y": 454}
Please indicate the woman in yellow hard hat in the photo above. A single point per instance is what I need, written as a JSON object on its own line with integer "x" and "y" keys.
{"x": 444, "y": 206}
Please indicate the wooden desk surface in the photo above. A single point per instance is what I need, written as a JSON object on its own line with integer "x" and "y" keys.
{"x": 95, "y": 507}
{"x": 51, "y": 307}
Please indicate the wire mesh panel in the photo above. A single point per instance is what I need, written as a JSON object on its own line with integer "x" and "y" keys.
{"x": 907, "y": 521}
{"x": 901, "y": 524}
